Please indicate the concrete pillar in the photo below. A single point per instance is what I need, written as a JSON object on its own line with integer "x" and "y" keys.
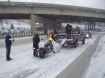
{"x": 54, "y": 28}
{"x": 94, "y": 26}
{"x": 9, "y": 2}
{"x": 48, "y": 23}
{"x": 91, "y": 26}
{"x": 32, "y": 21}
{"x": 45, "y": 28}
{"x": 88, "y": 26}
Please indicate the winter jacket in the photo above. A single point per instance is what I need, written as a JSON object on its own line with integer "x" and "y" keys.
{"x": 50, "y": 37}
{"x": 36, "y": 40}
{"x": 68, "y": 28}
{"x": 8, "y": 41}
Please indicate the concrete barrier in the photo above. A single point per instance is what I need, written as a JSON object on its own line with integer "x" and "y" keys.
{"x": 79, "y": 65}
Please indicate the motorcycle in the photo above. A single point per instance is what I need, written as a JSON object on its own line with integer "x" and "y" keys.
{"x": 43, "y": 51}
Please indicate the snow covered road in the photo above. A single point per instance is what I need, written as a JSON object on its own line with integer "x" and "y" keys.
{"x": 24, "y": 65}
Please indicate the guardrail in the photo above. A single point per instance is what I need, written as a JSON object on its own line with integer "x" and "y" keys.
{"x": 79, "y": 65}
{"x": 2, "y": 35}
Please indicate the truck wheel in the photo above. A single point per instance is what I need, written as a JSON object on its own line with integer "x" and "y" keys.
{"x": 83, "y": 41}
{"x": 76, "y": 45}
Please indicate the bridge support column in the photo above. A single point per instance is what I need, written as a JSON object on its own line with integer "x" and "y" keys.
{"x": 45, "y": 28}
{"x": 88, "y": 26}
{"x": 48, "y": 23}
{"x": 85, "y": 26}
{"x": 32, "y": 21}
{"x": 94, "y": 25}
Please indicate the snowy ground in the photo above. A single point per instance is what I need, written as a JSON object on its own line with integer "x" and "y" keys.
{"x": 24, "y": 65}
{"x": 96, "y": 68}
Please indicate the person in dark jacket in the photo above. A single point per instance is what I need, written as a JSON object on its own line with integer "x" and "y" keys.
{"x": 68, "y": 31}
{"x": 36, "y": 40}
{"x": 8, "y": 42}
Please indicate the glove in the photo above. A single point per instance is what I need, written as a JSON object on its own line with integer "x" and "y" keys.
{"x": 33, "y": 48}
{"x": 13, "y": 40}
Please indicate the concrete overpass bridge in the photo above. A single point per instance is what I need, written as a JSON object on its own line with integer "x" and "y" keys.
{"x": 50, "y": 14}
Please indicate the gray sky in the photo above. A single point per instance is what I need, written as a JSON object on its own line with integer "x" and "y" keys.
{"x": 100, "y": 4}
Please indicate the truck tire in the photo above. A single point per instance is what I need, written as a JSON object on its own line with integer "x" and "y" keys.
{"x": 83, "y": 41}
{"x": 76, "y": 45}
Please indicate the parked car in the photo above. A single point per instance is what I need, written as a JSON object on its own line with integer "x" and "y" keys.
{"x": 87, "y": 34}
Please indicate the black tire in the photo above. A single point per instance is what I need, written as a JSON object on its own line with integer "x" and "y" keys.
{"x": 76, "y": 45}
{"x": 42, "y": 55}
{"x": 83, "y": 41}
{"x": 42, "y": 52}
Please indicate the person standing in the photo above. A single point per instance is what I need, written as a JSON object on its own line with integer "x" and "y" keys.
{"x": 8, "y": 42}
{"x": 51, "y": 39}
{"x": 36, "y": 40}
{"x": 68, "y": 31}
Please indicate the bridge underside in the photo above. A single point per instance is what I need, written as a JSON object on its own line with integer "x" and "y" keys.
{"x": 59, "y": 18}
{"x": 67, "y": 18}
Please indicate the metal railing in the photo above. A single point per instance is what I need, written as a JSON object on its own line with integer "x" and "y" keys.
{"x": 2, "y": 35}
